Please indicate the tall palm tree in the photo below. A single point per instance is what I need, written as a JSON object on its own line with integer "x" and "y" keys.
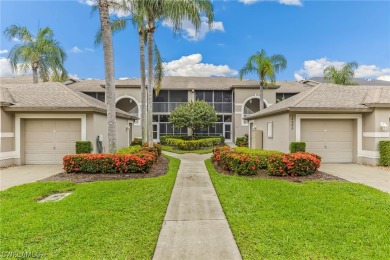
{"x": 174, "y": 12}
{"x": 266, "y": 68}
{"x": 105, "y": 26}
{"x": 41, "y": 53}
{"x": 344, "y": 76}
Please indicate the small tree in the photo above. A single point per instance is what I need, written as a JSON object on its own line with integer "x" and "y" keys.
{"x": 194, "y": 115}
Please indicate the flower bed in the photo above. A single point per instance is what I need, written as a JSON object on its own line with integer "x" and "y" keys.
{"x": 128, "y": 160}
{"x": 245, "y": 161}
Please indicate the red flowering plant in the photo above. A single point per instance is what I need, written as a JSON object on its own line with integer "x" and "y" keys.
{"x": 276, "y": 166}
{"x": 217, "y": 152}
{"x": 293, "y": 164}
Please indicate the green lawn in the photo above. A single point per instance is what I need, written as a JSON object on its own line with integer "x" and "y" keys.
{"x": 106, "y": 219}
{"x": 173, "y": 150}
{"x": 275, "y": 219}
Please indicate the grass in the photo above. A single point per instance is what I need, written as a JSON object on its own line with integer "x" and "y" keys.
{"x": 275, "y": 219}
{"x": 173, "y": 150}
{"x": 105, "y": 219}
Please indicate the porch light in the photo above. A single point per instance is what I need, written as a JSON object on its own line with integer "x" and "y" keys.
{"x": 384, "y": 126}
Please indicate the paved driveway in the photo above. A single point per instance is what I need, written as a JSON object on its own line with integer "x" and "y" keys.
{"x": 370, "y": 176}
{"x": 14, "y": 176}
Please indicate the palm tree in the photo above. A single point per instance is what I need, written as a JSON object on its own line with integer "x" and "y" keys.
{"x": 173, "y": 11}
{"x": 41, "y": 53}
{"x": 105, "y": 26}
{"x": 266, "y": 68}
{"x": 344, "y": 76}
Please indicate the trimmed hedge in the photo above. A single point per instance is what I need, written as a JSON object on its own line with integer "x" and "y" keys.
{"x": 192, "y": 144}
{"x": 384, "y": 152}
{"x": 242, "y": 141}
{"x": 83, "y": 147}
{"x": 297, "y": 147}
{"x": 133, "y": 159}
{"x": 189, "y": 138}
{"x": 241, "y": 160}
{"x": 293, "y": 164}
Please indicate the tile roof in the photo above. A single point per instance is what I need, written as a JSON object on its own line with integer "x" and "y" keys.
{"x": 361, "y": 81}
{"x": 331, "y": 97}
{"x": 53, "y": 96}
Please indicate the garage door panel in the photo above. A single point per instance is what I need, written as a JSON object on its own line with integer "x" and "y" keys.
{"x": 48, "y": 140}
{"x": 331, "y": 139}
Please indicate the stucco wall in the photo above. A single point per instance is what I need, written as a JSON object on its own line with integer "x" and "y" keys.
{"x": 281, "y": 139}
{"x": 372, "y": 132}
{"x": 7, "y": 140}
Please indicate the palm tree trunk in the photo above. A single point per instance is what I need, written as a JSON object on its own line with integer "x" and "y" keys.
{"x": 35, "y": 75}
{"x": 150, "y": 83}
{"x": 261, "y": 95}
{"x": 109, "y": 73}
{"x": 143, "y": 86}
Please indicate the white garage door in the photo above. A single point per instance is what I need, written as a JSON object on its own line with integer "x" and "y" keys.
{"x": 331, "y": 139}
{"x": 48, "y": 140}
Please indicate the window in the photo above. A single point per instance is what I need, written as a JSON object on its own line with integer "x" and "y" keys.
{"x": 220, "y": 100}
{"x": 98, "y": 95}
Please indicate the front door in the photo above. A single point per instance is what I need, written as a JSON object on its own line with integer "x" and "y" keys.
{"x": 227, "y": 131}
{"x": 156, "y": 132}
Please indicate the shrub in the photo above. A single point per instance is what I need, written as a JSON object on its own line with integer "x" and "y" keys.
{"x": 129, "y": 150}
{"x": 262, "y": 155}
{"x": 293, "y": 164}
{"x": 136, "y": 141}
{"x": 192, "y": 144}
{"x": 297, "y": 147}
{"x": 242, "y": 141}
{"x": 217, "y": 152}
{"x": 155, "y": 149}
{"x": 83, "y": 147}
{"x": 109, "y": 163}
{"x": 163, "y": 139}
{"x": 384, "y": 152}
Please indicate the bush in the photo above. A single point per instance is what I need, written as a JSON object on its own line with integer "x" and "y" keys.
{"x": 155, "y": 149}
{"x": 384, "y": 152}
{"x": 83, "y": 147}
{"x": 217, "y": 152}
{"x": 109, "y": 163}
{"x": 129, "y": 150}
{"x": 242, "y": 141}
{"x": 293, "y": 164}
{"x": 297, "y": 147}
{"x": 262, "y": 155}
{"x": 192, "y": 144}
{"x": 189, "y": 138}
{"x": 136, "y": 141}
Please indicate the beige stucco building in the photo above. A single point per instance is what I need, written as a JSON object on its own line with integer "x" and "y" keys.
{"x": 343, "y": 124}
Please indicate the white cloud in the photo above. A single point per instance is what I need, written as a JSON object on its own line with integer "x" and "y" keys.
{"x": 191, "y": 34}
{"x": 118, "y": 13}
{"x": 89, "y": 49}
{"x": 14, "y": 39}
{"x": 192, "y": 66}
{"x": 6, "y": 71}
{"x": 283, "y": 2}
{"x": 3, "y": 51}
{"x": 123, "y": 78}
{"x": 315, "y": 68}
{"x": 76, "y": 49}
{"x": 88, "y": 2}
{"x": 291, "y": 2}
{"x": 385, "y": 77}
{"x": 298, "y": 77}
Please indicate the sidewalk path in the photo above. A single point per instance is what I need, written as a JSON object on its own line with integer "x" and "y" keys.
{"x": 195, "y": 226}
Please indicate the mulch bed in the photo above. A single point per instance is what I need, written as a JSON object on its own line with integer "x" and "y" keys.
{"x": 159, "y": 168}
{"x": 317, "y": 176}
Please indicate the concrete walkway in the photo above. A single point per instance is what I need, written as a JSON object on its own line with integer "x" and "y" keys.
{"x": 18, "y": 175}
{"x": 370, "y": 176}
{"x": 195, "y": 226}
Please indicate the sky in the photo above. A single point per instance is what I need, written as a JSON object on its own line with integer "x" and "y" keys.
{"x": 310, "y": 34}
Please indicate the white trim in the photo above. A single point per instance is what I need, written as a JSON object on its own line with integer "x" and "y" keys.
{"x": 376, "y": 134}
{"x": 243, "y": 106}
{"x": 332, "y": 116}
{"x": 6, "y": 134}
{"x": 18, "y": 118}
{"x": 369, "y": 154}
{"x": 138, "y": 121}
{"x": 238, "y": 104}
{"x": 8, "y": 155}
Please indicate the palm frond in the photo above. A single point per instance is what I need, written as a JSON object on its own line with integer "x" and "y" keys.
{"x": 158, "y": 69}
{"x": 20, "y": 32}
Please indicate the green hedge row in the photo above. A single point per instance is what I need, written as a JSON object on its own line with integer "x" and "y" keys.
{"x": 192, "y": 144}
{"x": 297, "y": 147}
{"x": 83, "y": 147}
{"x": 384, "y": 152}
{"x": 190, "y": 138}
{"x": 242, "y": 141}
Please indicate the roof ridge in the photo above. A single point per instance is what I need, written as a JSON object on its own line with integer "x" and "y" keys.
{"x": 89, "y": 104}
{"x": 307, "y": 93}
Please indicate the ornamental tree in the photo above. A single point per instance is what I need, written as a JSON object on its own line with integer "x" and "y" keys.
{"x": 194, "y": 115}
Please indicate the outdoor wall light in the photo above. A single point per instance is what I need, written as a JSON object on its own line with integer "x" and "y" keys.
{"x": 384, "y": 126}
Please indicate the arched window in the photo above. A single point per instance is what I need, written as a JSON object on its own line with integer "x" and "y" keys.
{"x": 129, "y": 105}
{"x": 251, "y": 106}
